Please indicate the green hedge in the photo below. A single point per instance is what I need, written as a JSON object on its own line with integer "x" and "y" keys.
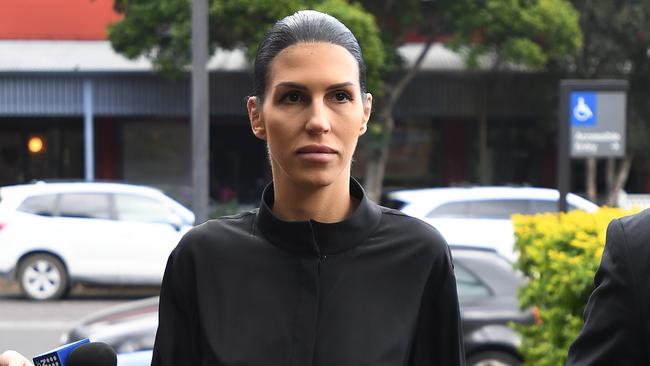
{"x": 559, "y": 254}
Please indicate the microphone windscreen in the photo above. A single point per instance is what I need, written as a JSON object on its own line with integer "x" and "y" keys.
{"x": 92, "y": 354}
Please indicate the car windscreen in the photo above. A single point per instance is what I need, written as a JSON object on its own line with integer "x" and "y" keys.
{"x": 131, "y": 207}
{"x": 42, "y": 205}
{"x": 481, "y": 209}
{"x": 468, "y": 284}
{"x": 543, "y": 206}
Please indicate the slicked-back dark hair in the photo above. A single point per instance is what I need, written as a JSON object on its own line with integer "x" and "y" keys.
{"x": 306, "y": 26}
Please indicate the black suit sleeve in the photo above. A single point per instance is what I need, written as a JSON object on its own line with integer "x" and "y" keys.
{"x": 611, "y": 334}
{"x": 439, "y": 336}
{"x": 178, "y": 338}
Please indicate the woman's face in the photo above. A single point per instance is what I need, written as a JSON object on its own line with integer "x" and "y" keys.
{"x": 312, "y": 115}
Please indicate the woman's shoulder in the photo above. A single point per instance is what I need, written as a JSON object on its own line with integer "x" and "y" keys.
{"x": 219, "y": 231}
{"x": 413, "y": 230}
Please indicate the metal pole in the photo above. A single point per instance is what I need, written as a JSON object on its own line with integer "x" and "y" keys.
{"x": 200, "y": 110}
{"x": 563, "y": 160}
{"x": 89, "y": 135}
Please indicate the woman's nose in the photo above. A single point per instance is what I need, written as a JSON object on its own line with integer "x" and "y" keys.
{"x": 318, "y": 120}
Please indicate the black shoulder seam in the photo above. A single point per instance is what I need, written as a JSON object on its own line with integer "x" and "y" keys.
{"x": 400, "y": 214}
{"x": 390, "y": 211}
{"x": 237, "y": 216}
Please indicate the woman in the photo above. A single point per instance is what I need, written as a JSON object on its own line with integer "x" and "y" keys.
{"x": 318, "y": 275}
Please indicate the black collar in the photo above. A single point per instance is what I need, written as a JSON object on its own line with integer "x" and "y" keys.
{"x": 317, "y": 238}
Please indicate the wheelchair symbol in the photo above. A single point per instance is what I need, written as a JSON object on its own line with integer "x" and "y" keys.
{"x": 581, "y": 111}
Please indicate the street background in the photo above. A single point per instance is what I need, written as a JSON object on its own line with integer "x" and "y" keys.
{"x": 465, "y": 95}
{"x": 31, "y": 327}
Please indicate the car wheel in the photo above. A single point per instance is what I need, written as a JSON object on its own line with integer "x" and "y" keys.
{"x": 42, "y": 277}
{"x": 493, "y": 358}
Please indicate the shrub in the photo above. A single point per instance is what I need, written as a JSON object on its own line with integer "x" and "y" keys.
{"x": 559, "y": 253}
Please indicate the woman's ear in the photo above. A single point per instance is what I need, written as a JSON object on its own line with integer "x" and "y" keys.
{"x": 254, "y": 107}
{"x": 367, "y": 110}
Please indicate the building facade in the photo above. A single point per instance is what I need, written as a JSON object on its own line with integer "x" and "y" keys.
{"x": 100, "y": 116}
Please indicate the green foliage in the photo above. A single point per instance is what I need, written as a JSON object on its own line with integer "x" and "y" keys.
{"x": 559, "y": 254}
{"x": 242, "y": 23}
{"x": 529, "y": 32}
{"x": 161, "y": 29}
{"x": 398, "y": 18}
{"x": 365, "y": 29}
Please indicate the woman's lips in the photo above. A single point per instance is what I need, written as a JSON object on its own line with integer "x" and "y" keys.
{"x": 317, "y": 153}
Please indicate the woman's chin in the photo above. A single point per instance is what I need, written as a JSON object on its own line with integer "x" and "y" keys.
{"x": 310, "y": 175}
{"x": 311, "y": 179}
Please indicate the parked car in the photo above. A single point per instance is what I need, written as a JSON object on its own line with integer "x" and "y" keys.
{"x": 487, "y": 291}
{"x": 480, "y": 216}
{"x": 487, "y": 287}
{"x": 128, "y": 327}
{"x": 53, "y": 235}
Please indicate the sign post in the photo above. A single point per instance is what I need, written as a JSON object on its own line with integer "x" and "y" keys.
{"x": 592, "y": 124}
{"x": 200, "y": 111}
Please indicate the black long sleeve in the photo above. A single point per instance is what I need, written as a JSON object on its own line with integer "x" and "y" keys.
{"x": 616, "y": 316}
{"x": 439, "y": 323}
{"x": 377, "y": 289}
{"x": 177, "y": 314}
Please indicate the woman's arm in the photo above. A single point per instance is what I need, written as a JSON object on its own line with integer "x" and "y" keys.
{"x": 178, "y": 337}
{"x": 439, "y": 338}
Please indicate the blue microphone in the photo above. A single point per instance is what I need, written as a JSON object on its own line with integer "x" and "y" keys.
{"x": 59, "y": 356}
{"x": 80, "y": 353}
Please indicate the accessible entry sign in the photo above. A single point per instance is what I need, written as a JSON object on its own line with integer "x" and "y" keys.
{"x": 591, "y": 124}
{"x": 597, "y": 121}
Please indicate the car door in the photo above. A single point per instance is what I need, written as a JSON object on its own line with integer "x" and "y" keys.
{"x": 85, "y": 232}
{"x": 482, "y": 223}
{"x": 149, "y": 229}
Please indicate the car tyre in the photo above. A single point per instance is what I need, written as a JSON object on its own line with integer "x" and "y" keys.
{"x": 493, "y": 358}
{"x": 42, "y": 277}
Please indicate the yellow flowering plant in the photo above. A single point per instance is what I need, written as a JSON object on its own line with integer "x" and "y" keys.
{"x": 559, "y": 253}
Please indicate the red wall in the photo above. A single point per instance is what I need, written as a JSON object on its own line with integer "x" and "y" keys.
{"x": 56, "y": 19}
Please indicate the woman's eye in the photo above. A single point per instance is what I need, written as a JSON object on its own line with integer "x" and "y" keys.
{"x": 342, "y": 97}
{"x": 291, "y": 98}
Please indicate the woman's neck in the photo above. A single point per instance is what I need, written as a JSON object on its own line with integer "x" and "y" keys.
{"x": 327, "y": 204}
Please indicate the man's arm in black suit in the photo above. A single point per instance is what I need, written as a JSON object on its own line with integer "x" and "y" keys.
{"x": 611, "y": 334}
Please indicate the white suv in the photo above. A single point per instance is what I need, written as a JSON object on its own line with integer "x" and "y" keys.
{"x": 55, "y": 234}
{"x": 480, "y": 216}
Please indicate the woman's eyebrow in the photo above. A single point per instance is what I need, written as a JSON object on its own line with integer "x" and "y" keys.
{"x": 340, "y": 85}
{"x": 290, "y": 85}
{"x": 294, "y": 85}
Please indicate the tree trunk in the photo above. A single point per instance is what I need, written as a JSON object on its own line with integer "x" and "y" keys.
{"x": 610, "y": 171}
{"x": 590, "y": 179}
{"x": 376, "y": 165}
{"x": 619, "y": 182}
{"x": 378, "y": 153}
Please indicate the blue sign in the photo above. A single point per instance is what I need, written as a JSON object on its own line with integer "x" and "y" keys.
{"x": 582, "y": 110}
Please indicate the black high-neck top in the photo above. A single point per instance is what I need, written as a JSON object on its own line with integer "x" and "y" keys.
{"x": 375, "y": 289}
